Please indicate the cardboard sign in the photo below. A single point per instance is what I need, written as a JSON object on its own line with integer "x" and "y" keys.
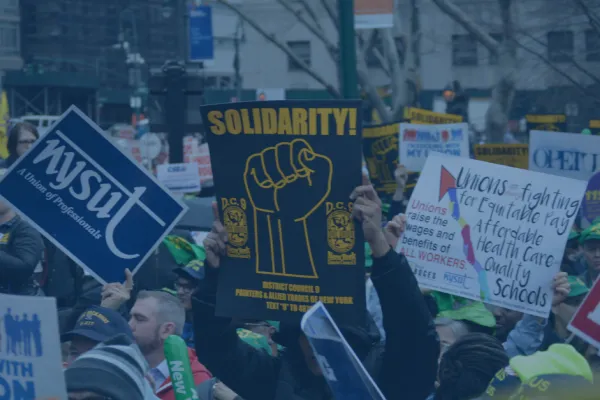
{"x": 343, "y": 371}
{"x": 180, "y": 178}
{"x": 565, "y": 154}
{"x": 91, "y": 200}
{"x": 380, "y": 148}
{"x": 283, "y": 174}
{"x": 511, "y": 155}
{"x": 586, "y": 321}
{"x": 30, "y": 355}
{"x": 417, "y": 141}
{"x": 489, "y": 232}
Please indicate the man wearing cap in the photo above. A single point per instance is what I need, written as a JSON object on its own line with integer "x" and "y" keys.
{"x": 94, "y": 326}
{"x": 590, "y": 243}
{"x": 187, "y": 282}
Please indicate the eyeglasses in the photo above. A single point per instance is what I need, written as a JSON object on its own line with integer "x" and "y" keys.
{"x": 30, "y": 141}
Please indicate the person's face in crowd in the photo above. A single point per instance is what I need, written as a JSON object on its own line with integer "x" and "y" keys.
{"x": 591, "y": 251}
{"x": 261, "y": 328}
{"x": 309, "y": 356}
{"x": 87, "y": 396}
{"x": 147, "y": 331}
{"x": 505, "y": 321}
{"x": 26, "y": 140}
{"x": 572, "y": 250}
{"x": 78, "y": 346}
{"x": 447, "y": 338}
{"x": 185, "y": 288}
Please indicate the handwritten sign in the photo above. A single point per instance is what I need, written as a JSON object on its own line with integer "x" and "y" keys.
{"x": 342, "y": 369}
{"x": 565, "y": 154}
{"x": 30, "y": 356}
{"x": 511, "y": 155}
{"x": 489, "y": 232}
{"x": 91, "y": 200}
{"x": 417, "y": 141}
{"x": 283, "y": 185}
{"x": 380, "y": 148}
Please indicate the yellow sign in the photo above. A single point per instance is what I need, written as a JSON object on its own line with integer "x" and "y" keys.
{"x": 511, "y": 155}
{"x": 549, "y": 122}
{"x": 4, "y": 117}
{"x": 420, "y": 116}
{"x": 380, "y": 148}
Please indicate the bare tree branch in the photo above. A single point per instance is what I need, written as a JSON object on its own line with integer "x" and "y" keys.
{"x": 370, "y": 90}
{"x": 393, "y": 60}
{"x": 283, "y": 47}
{"x": 577, "y": 85}
{"x": 331, "y": 48}
{"x": 572, "y": 60}
{"x": 466, "y": 22}
{"x": 331, "y": 13}
{"x": 592, "y": 19}
{"x": 312, "y": 14}
{"x": 369, "y": 47}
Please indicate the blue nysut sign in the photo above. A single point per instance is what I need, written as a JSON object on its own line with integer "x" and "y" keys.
{"x": 90, "y": 199}
{"x": 201, "y": 41}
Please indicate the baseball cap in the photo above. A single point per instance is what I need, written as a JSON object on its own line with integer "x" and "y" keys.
{"x": 592, "y": 232}
{"x": 578, "y": 286}
{"x": 194, "y": 270}
{"x": 573, "y": 235}
{"x": 99, "y": 324}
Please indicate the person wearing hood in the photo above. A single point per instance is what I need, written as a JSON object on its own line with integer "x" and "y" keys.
{"x": 406, "y": 369}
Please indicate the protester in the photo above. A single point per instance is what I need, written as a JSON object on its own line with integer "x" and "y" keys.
{"x": 95, "y": 325}
{"x": 408, "y": 366}
{"x": 21, "y": 249}
{"x": 154, "y": 317}
{"x": 590, "y": 243}
{"x": 20, "y": 138}
{"x": 559, "y": 373}
{"x": 468, "y": 365}
{"x": 113, "y": 370}
{"x": 449, "y": 331}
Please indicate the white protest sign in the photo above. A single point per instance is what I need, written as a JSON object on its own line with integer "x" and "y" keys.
{"x": 417, "y": 141}
{"x": 30, "y": 355}
{"x": 489, "y": 232}
{"x": 179, "y": 178}
{"x": 571, "y": 155}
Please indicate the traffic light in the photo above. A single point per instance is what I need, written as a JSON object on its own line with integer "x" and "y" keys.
{"x": 457, "y": 101}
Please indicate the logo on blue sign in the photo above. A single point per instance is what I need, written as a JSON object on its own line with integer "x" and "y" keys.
{"x": 90, "y": 199}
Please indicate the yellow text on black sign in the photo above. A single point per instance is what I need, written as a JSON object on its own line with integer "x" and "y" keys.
{"x": 420, "y": 116}
{"x": 545, "y": 119}
{"x": 381, "y": 131}
{"x": 299, "y": 121}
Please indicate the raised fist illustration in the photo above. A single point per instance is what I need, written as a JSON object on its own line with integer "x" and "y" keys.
{"x": 285, "y": 184}
{"x": 385, "y": 151}
{"x": 289, "y": 180}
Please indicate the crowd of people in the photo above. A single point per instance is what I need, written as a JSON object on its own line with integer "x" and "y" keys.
{"x": 416, "y": 344}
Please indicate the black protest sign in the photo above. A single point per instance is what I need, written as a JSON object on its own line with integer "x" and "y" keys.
{"x": 546, "y": 122}
{"x": 283, "y": 174}
{"x": 380, "y": 148}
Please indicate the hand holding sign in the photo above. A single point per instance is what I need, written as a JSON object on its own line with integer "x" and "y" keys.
{"x": 274, "y": 180}
{"x": 215, "y": 242}
{"x": 116, "y": 294}
{"x": 367, "y": 210}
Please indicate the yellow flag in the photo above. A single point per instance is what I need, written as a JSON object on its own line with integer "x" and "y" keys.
{"x": 4, "y": 117}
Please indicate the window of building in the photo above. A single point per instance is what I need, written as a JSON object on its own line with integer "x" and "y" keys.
{"x": 301, "y": 48}
{"x": 493, "y": 58}
{"x": 592, "y": 45}
{"x": 9, "y": 39}
{"x": 464, "y": 50}
{"x": 560, "y": 46}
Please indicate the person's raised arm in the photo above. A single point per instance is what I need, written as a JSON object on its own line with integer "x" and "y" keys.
{"x": 249, "y": 372}
{"x": 412, "y": 346}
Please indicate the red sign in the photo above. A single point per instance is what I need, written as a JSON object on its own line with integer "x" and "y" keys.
{"x": 586, "y": 321}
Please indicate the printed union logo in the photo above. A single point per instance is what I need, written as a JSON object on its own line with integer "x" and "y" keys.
{"x": 237, "y": 225}
{"x": 421, "y": 272}
{"x": 458, "y": 280}
{"x": 340, "y": 231}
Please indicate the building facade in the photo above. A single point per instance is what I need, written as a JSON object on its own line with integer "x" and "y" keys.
{"x": 10, "y": 41}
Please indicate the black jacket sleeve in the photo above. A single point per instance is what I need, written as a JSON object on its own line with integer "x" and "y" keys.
{"x": 412, "y": 346}
{"x": 24, "y": 252}
{"x": 247, "y": 371}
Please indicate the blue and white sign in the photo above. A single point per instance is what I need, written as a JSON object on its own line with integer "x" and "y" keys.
{"x": 572, "y": 155}
{"x": 341, "y": 368}
{"x": 30, "y": 356}
{"x": 179, "y": 178}
{"x": 201, "y": 40}
{"x": 90, "y": 199}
